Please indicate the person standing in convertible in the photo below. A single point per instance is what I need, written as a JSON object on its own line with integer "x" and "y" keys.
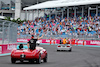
{"x": 32, "y": 43}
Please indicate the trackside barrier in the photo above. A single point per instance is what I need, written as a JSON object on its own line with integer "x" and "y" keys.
{"x": 50, "y": 41}
{"x": 57, "y": 41}
{"x": 6, "y": 49}
{"x": 88, "y": 42}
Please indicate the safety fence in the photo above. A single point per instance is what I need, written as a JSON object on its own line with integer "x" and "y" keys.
{"x": 8, "y": 32}
{"x": 8, "y": 36}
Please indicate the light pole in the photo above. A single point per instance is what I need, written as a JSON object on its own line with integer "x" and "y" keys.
{"x": 37, "y": 9}
{"x": 97, "y": 10}
{"x": 62, "y": 13}
{"x": 68, "y": 14}
{"x": 82, "y": 11}
{"x": 74, "y": 11}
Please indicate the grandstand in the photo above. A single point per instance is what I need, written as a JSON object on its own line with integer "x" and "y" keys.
{"x": 76, "y": 27}
{"x": 71, "y": 18}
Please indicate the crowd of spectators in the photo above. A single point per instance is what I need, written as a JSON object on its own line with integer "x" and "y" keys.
{"x": 57, "y": 26}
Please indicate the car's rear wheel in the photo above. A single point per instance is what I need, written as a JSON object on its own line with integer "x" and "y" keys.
{"x": 58, "y": 50}
{"x": 70, "y": 50}
{"x": 38, "y": 61}
{"x": 21, "y": 61}
{"x": 31, "y": 61}
{"x": 45, "y": 59}
{"x": 13, "y": 60}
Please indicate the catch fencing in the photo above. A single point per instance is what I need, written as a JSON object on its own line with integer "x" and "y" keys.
{"x": 8, "y": 32}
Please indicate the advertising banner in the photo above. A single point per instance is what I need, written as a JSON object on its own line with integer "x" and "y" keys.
{"x": 0, "y": 49}
{"x": 41, "y": 40}
{"x": 93, "y": 42}
{"x": 22, "y": 40}
{"x": 52, "y": 41}
{"x": 88, "y": 42}
{"x": 57, "y": 41}
{"x": 7, "y": 48}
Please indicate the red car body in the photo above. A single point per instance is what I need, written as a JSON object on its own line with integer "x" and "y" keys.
{"x": 26, "y": 54}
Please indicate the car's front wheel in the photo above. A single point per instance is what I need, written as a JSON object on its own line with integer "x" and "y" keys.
{"x": 38, "y": 61}
{"x": 13, "y": 60}
{"x": 58, "y": 50}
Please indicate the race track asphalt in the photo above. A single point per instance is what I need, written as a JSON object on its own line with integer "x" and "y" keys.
{"x": 79, "y": 57}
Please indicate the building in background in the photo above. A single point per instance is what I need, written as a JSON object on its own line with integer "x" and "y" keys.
{"x": 14, "y": 8}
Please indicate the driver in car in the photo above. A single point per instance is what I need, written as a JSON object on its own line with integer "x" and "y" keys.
{"x": 32, "y": 43}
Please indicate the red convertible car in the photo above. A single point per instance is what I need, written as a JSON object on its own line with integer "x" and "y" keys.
{"x": 31, "y": 55}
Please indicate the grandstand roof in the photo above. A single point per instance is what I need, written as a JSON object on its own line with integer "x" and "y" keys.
{"x": 61, "y": 3}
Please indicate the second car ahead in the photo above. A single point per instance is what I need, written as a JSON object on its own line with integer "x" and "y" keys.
{"x": 64, "y": 47}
